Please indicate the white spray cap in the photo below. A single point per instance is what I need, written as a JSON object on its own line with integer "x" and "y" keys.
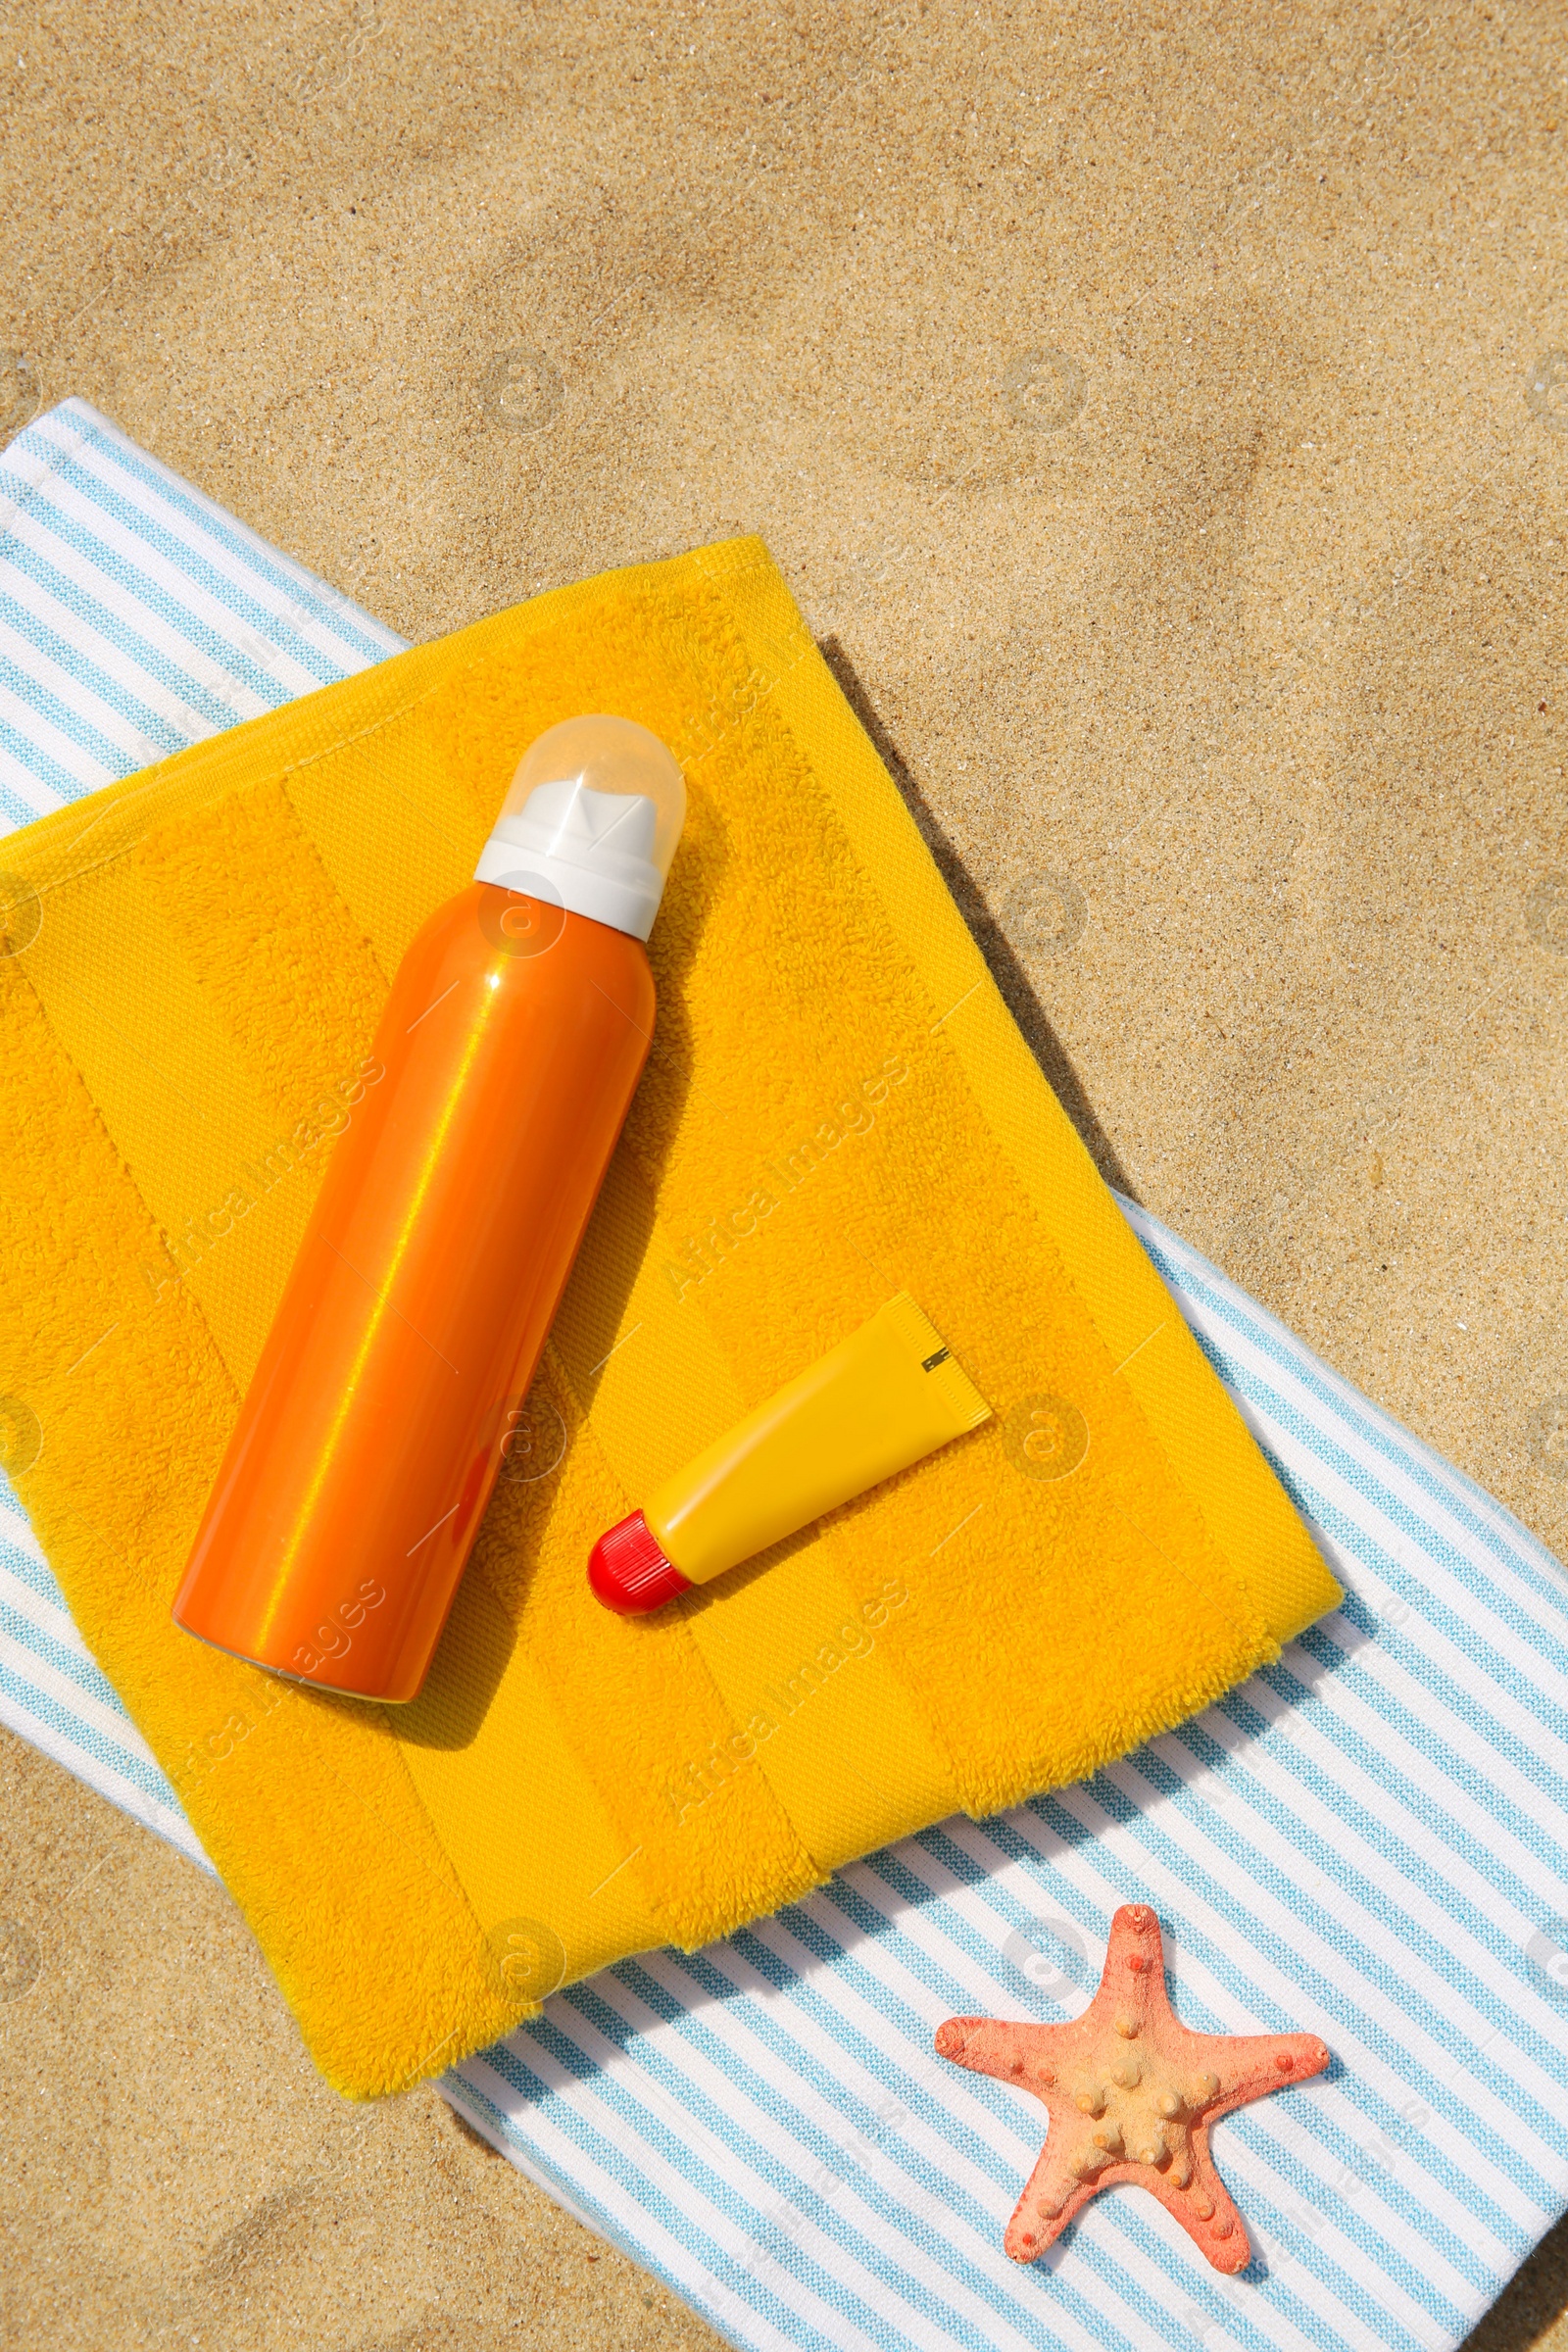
{"x": 590, "y": 823}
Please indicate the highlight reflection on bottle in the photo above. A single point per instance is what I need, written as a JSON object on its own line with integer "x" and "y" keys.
{"x": 447, "y": 1223}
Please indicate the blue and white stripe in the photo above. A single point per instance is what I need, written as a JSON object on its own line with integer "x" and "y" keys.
{"x": 137, "y": 617}
{"x": 1368, "y": 1841}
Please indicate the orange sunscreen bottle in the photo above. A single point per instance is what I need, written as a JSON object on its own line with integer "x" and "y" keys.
{"x": 447, "y": 1219}
{"x": 884, "y": 1397}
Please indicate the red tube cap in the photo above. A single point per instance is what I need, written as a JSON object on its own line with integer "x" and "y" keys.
{"x": 629, "y": 1573}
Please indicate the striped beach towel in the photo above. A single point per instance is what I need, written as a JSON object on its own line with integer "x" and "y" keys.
{"x": 1365, "y": 1843}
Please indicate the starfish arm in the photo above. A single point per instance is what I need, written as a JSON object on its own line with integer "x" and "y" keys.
{"x": 1252, "y": 2064}
{"x": 1132, "y": 1985}
{"x": 1207, "y": 2212}
{"x": 1010, "y": 2049}
{"x": 1051, "y": 2196}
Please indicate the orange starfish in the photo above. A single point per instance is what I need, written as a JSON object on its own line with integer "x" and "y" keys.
{"x": 1131, "y": 2094}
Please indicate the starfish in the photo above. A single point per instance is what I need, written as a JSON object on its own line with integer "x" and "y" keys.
{"x": 1131, "y": 2094}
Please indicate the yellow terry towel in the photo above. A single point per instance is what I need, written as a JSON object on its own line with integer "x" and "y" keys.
{"x": 838, "y": 1108}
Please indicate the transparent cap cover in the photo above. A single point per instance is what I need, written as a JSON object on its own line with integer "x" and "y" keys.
{"x": 591, "y": 820}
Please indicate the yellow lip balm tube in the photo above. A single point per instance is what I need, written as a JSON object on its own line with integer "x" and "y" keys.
{"x": 884, "y": 1397}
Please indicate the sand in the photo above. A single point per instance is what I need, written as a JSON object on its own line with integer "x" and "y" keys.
{"x": 1148, "y": 406}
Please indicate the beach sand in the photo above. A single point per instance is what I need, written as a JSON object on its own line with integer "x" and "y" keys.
{"x": 1150, "y": 408}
